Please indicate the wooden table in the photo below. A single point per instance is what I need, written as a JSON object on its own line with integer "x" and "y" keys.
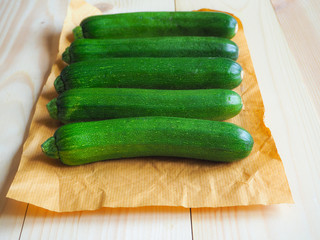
{"x": 283, "y": 37}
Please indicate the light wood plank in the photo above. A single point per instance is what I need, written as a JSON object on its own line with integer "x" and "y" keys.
{"x": 120, "y": 223}
{"x": 28, "y": 43}
{"x": 300, "y": 23}
{"x": 121, "y": 6}
{"x": 11, "y": 219}
{"x": 294, "y": 123}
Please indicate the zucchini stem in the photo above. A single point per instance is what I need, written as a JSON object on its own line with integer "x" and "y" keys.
{"x": 66, "y": 56}
{"x": 53, "y": 108}
{"x": 49, "y": 147}
{"x": 77, "y": 32}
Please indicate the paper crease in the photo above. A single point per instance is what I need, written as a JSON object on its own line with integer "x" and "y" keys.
{"x": 257, "y": 179}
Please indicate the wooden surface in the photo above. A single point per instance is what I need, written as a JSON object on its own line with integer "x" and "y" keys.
{"x": 282, "y": 36}
{"x": 298, "y": 20}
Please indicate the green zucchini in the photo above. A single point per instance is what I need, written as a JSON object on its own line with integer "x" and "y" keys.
{"x": 152, "y": 24}
{"x": 151, "y": 73}
{"x": 89, "y": 104}
{"x": 87, "y": 142}
{"x": 86, "y": 49}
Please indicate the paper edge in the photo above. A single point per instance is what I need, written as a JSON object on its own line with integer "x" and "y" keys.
{"x": 289, "y": 199}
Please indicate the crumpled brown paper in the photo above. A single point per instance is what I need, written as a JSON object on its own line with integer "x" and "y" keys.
{"x": 44, "y": 182}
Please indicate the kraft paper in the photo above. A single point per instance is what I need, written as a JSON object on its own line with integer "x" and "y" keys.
{"x": 153, "y": 181}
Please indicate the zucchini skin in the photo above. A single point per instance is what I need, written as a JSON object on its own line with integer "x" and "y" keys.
{"x": 151, "y": 73}
{"x": 152, "y": 24}
{"x": 87, "y": 142}
{"x": 90, "y": 104}
{"x": 193, "y": 46}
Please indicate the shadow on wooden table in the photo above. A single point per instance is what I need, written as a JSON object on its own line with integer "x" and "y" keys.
{"x": 51, "y": 40}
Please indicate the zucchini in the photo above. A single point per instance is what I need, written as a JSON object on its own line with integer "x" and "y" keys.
{"x": 152, "y": 24}
{"x": 86, "y": 49}
{"x": 87, "y": 142}
{"x": 151, "y": 73}
{"x": 89, "y": 104}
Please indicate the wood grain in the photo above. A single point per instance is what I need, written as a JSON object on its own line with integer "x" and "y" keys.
{"x": 294, "y": 123}
{"x": 108, "y": 223}
{"x": 300, "y": 23}
{"x": 121, "y": 6}
{"x": 11, "y": 219}
{"x": 28, "y": 44}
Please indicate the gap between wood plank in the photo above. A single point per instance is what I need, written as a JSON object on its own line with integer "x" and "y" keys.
{"x": 191, "y": 224}
{"x": 24, "y": 219}
{"x": 25, "y": 215}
